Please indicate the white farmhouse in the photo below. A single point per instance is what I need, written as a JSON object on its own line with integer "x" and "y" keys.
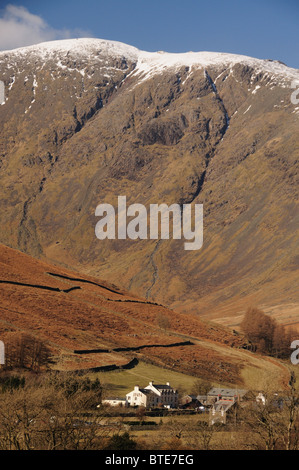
{"x": 153, "y": 395}
{"x": 142, "y": 397}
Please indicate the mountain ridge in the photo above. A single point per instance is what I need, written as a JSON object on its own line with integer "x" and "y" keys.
{"x": 117, "y": 48}
{"x": 150, "y": 63}
{"x": 77, "y": 130}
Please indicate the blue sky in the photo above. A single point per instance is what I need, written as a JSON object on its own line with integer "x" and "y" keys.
{"x": 267, "y": 29}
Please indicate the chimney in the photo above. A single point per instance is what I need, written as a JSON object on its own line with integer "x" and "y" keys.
{"x": 151, "y": 383}
{"x": 136, "y": 388}
{"x": 167, "y": 383}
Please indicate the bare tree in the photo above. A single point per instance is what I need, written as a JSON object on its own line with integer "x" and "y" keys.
{"x": 201, "y": 387}
{"x": 291, "y": 416}
{"x": 273, "y": 423}
{"x": 55, "y": 413}
{"x": 25, "y": 351}
{"x": 163, "y": 322}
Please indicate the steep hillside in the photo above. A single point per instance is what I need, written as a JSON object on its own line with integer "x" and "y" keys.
{"x": 88, "y": 323}
{"x": 86, "y": 120}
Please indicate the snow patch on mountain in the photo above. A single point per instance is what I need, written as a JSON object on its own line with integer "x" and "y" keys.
{"x": 85, "y": 47}
{"x": 151, "y": 63}
{"x": 147, "y": 64}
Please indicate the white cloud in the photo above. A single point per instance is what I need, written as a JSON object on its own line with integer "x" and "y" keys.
{"x": 19, "y": 27}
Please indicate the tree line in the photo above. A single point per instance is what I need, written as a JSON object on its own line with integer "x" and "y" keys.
{"x": 50, "y": 412}
{"x": 24, "y": 351}
{"x": 266, "y": 335}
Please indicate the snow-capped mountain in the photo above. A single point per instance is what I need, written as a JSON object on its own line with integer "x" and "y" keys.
{"x": 86, "y": 120}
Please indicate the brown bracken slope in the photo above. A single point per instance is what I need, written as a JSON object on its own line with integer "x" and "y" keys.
{"x": 72, "y": 312}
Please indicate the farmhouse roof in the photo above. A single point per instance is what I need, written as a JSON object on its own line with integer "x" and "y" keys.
{"x": 222, "y": 405}
{"x": 226, "y": 392}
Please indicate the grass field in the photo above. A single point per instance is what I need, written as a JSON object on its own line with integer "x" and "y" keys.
{"x": 118, "y": 383}
{"x": 258, "y": 374}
